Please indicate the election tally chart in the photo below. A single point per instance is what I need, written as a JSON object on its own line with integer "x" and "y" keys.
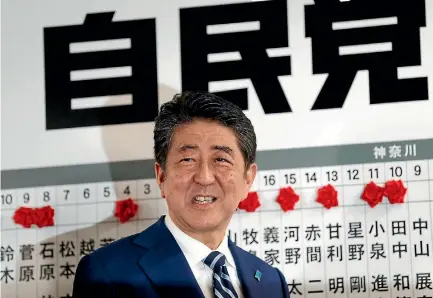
{"x": 340, "y": 95}
{"x": 359, "y": 227}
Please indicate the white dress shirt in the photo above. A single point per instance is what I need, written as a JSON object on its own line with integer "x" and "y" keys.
{"x": 195, "y": 252}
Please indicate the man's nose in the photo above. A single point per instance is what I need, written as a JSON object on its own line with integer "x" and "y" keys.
{"x": 204, "y": 174}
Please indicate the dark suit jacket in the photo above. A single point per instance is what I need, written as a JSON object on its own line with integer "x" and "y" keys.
{"x": 150, "y": 264}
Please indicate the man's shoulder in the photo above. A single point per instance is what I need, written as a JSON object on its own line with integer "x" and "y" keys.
{"x": 112, "y": 265}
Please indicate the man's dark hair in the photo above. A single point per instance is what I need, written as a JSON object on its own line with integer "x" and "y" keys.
{"x": 187, "y": 106}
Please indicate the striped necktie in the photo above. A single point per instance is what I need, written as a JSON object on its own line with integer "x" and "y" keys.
{"x": 222, "y": 286}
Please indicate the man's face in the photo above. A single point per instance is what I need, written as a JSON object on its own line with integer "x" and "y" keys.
{"x": 205, "y": 177}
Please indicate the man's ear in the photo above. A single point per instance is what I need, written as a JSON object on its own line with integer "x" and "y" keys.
{"x": 250, "y": 176}
{"x": 160, "y": 177}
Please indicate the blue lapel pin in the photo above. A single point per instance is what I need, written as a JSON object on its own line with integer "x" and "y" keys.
{"x": 258, "y": 275}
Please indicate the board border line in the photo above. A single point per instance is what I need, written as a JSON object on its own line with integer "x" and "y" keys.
{"x": 332, "y": 155}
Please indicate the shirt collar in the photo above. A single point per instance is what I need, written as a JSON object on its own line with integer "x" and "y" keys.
{"x": 194, "y": 250}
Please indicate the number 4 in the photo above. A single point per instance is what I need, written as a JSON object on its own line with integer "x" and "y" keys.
{"x": 127, "y": 191}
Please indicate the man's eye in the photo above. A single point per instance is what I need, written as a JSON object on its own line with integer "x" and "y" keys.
{"x": 222, "y": 159}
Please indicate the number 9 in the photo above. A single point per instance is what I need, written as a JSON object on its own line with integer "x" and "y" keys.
{"x": 417, "y": 169}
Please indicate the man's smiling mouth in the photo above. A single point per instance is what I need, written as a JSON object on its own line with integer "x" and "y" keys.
{"x": 203, "y": 200}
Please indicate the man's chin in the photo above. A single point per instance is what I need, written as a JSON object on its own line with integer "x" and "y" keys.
{"x": 204, "y": 224}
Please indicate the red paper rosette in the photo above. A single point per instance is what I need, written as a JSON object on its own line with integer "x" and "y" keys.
{"x": 42, "y": 217}
{"x": 373, "y": 194}
{"x": 287, "y": 198}
{"x": 45, "y": 216}
{"x": 24, "y": 216}
{"x": 327, "y": 196}
{"x": 125, "y": 210}
{"x": 251, "y": 203}
{"x": 395, "y": 191}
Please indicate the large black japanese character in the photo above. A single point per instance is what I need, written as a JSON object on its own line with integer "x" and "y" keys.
{"x": 61, "y": 87}
{"x": 252, "y": 45}
{"x": 399, "y": 40}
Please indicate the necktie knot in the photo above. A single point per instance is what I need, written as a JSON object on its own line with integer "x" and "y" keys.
{"x": 215, "y": 260}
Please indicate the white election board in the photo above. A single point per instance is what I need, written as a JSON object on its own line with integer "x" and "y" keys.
{"x": 347, "y": 251}
{"x": 339, "y": 92}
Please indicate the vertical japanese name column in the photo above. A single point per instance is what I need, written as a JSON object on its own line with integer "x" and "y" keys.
{"x": 9, "y": 244}
{"x": 420, "y": 221}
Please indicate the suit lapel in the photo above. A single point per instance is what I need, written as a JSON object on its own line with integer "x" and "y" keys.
{"x": 165, "y": 264}
{"x": 246, "y": 271}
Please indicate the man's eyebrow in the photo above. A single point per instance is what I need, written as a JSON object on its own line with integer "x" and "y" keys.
{"x": 225, "y": 149}
{"x": 186, "y": 147}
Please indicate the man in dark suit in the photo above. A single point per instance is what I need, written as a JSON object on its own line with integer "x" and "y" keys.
{"x": 205, "y": 149}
